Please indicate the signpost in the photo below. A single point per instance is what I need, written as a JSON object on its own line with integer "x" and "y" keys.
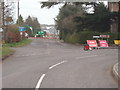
{"x": 21, "y": 29}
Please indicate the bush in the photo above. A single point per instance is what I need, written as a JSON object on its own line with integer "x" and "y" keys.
{"x": 86, "y": 35}
{"x": 13, "y": 28}
{"x": 81, "y": 37}
{"x": 74, "y": 38}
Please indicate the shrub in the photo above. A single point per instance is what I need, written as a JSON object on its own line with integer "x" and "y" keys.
{"x": 81, "y": 37}
{"x": 13, "y": 28}
{"x": 86, "y": 35}
{"x": 74, "y": 38}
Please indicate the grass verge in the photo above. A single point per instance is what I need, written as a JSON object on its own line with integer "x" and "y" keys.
{"x": 19, "y": 44}
{"x": 6, "y": 50}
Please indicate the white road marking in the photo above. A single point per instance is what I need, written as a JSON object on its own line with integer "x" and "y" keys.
{"x": 42, "y": 77}
{"x": 40, "y": 81}
{"x": 115, "y": 69}
{"x": 57, "y": 64}
{"x": 86, "y": 56}
{"x": 29, "y": 55}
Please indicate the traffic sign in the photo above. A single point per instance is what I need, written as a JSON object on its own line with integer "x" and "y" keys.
{"x": 21, "y": 28}
{"x": 105, "y": 36}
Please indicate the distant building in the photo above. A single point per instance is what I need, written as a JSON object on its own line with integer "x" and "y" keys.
{"x": 114, "y": 7}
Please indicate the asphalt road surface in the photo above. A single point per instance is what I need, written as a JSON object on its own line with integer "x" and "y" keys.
{"x": 52, "y": 64}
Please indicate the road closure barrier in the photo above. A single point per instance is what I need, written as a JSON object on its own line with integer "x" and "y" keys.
{"x": 103, "y": 43}
{"x": 92, "y": 43}
{"x": 117, "y": 42}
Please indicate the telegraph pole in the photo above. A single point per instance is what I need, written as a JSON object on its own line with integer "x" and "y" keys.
{"x": 119, "y": 18}
{"x": 18, "y": 12}
{"x": 3, "y": 18}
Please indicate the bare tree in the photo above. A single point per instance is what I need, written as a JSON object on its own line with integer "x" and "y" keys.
{"x": 7, "y": 15}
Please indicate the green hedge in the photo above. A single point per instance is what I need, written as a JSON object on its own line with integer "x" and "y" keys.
{"x": 74, "y": 38}
{"x": 81, "y": 37}
{"x": 87, "y": 35}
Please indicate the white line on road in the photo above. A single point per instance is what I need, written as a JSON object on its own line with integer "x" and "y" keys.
{"x": 57, "y": 64}
{"x": 86, "y": 56}
{"x": 42, "y": 77}
{"x": 40, "y": 81}
{"x": 114, "y": 68}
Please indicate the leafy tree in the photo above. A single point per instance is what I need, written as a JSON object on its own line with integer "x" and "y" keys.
{"x": 7, "y": 17}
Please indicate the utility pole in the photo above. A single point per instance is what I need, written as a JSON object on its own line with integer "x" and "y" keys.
{"x": 119, "y": 18}
{"x": 18, "y": 12}
{"x": 3, "y": 18}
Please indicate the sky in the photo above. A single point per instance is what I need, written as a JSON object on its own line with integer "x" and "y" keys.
{"x": 32, "y": 8}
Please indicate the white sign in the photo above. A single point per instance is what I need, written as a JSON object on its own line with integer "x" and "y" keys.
{"x": 96, "y": 36}
{"x": 21, "y": 33}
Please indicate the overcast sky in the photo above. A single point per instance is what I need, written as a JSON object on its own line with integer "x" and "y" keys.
{"x": 32, "y": 8}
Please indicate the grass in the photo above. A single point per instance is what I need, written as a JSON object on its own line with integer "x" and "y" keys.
{"x": 6, "y": 50}
{"x": 19, "y": 44}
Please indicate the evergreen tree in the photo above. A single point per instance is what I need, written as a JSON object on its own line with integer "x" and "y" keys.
{"x": 98, "y": 21}
{"x": 20, "y": 21}
{"x": 33, "y": 22}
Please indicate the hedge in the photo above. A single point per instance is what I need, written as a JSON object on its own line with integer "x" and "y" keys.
{"x": 81, "y": 37}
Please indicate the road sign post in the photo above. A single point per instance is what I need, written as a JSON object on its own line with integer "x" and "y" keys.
{"x": 21, "y": 29}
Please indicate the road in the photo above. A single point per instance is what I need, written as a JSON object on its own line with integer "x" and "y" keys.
{"x": 52, "y": 64}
